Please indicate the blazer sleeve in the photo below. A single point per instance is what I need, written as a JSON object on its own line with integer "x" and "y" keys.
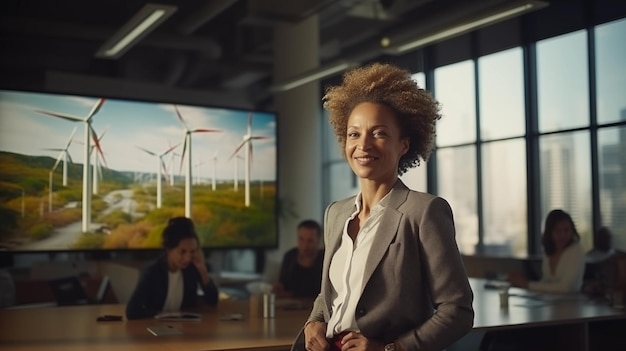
{"x": 211, "y": 293}
{"x": 140, "y": 304}
{"x": 446, "y": 279}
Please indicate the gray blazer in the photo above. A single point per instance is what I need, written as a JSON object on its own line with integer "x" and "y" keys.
{"x": 415, "y": 288}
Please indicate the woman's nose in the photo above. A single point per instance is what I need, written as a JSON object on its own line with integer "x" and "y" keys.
{"x": 363, "y": 143}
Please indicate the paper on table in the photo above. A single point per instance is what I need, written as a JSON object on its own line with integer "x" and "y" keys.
{"x": 160, "y": 330}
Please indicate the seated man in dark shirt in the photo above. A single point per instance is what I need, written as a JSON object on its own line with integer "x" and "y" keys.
{"x": 301, "y": 269}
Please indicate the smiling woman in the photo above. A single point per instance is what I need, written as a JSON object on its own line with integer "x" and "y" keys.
{"x": 387, "y": 234}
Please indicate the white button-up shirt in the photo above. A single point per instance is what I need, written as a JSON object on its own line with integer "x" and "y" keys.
{"x": 347, "y": 268}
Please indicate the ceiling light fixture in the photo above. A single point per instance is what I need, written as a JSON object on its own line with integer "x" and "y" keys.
{"x": 505, "y": 10}
{"x": 311, "y": 76}
{"x": 512, "y": 9}
{"x": 142, "y": 23}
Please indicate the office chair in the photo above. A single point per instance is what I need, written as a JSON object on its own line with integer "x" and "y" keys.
{"x": 68, "y": 291}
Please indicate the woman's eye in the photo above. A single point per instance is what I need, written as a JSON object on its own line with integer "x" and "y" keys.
{"x": 379, "y": 133}
{"x": 353, "y": 135}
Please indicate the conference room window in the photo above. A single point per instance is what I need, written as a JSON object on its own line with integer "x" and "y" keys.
{"x": 454, "y": 89}
{"x": 563, "y": 105}
{"x": 563, "y": 82}
{"x": 501, "y": 95}
{"x": 456, "y": 182}
{"x": 610, "y": 55}
{"x": 504, "y": 216}
{"x": 612, "y": 179}
{"x": 503, "y": 161}
{"x": 577, "y": 121}
{"x": 565, "y": 179}
{"x": 456, "y": 153}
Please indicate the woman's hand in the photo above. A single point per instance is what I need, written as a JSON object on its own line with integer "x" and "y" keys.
{"x": 198, "y": 261}
{"x": 355, "y": 341}
{"x": 315, "y": 337}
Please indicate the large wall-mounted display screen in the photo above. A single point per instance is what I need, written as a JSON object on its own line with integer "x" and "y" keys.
{"x": 94, "y": 173}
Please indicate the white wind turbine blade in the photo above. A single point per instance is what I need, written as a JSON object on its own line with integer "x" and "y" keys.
{"x": 164, "y": 169}
{"x": 61, "y": 154}
{"x": 146, "y": 150}
{"x": 65, "y": 116}
{"x": 69, "y": 141}
{"x": 95, "y": 109}
{"x": 67, "y": 156}
{"x": 163, "y": 165}
{"x": 98, "y": 154}
{"x": 96, "y": 142}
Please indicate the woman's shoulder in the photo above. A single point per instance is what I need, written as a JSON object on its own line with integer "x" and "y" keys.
{"x": 341, "y": 205}
{"x": 575, "y": 249}
{"x": 422, "y": 196}
{"x": 418, "y": 199}
{"x": 155, "y": 266}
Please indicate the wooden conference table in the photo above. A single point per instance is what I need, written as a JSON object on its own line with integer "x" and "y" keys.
{"x": 75, "y": 328}
{"x": 573, "y": 322}
{"x": 576, "y": 322}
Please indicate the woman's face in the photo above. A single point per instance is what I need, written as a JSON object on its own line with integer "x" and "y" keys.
{"x": 562, "y": 234}
{"x": 373, "y": 142}
{"x": 180, "y": 256}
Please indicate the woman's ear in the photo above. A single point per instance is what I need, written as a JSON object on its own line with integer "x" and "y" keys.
{"x": 406, "y": 141}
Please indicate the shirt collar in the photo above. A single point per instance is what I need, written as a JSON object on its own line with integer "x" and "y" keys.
{"x": 378, "y": 207}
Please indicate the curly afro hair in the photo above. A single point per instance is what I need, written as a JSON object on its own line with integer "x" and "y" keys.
{"x": 416, "y": 110}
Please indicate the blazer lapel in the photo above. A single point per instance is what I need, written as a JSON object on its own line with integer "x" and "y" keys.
{"x": 335, "y": 232}
{"x": 387, "y": 230}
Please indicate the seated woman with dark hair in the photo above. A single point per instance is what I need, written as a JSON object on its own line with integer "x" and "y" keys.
{"x": 563, "y": 263}
{"x": 170, "y": 283}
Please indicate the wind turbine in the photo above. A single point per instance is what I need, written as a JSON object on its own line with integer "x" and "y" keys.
{"x": 170, "y": 173}
{"x": 86, "y": 169}
{"x": 247, "y": 141}
{"x": 160, "y": 165}
{"x": 187, "y": 149}
{"x": 214, "y": 168}
{"x": 236, "y": 178}
{"x": 197, "y": 173}
{"x": 65, "y": 155}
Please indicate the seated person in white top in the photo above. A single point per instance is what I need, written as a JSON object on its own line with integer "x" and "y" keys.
{"x": 563, "y": 263}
